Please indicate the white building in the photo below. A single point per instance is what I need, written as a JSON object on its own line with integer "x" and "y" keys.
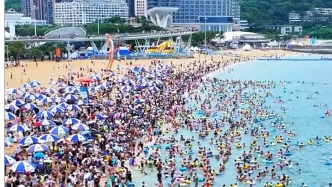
{"x": 80, "y": 12}
{"x": 13, "y": 18}
{"x": 244, "y": 24}
{"x": 161, "y": 16}
{"x": 141, "y": 8}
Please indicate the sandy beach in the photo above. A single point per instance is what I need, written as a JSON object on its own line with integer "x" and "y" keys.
{"x": 15, "y": 77}
{"x": 48, "y": 69}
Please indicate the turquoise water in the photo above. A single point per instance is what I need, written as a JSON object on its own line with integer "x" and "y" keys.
{"x": 307, "y": 121}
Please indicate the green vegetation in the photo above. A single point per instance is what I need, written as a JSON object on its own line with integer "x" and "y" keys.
{"x": 319, "y": 32}
{"x": 199, "y": 37}
{"x": 260, "y": 12}
{"x": 15, "y": 4}
{"x": 29, "y": 30}
{"x": 19, "y": 50}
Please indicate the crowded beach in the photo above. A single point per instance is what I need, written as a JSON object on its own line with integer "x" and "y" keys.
{"x": 128, "y": 122}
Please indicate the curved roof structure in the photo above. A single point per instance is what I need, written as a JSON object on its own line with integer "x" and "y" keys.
{"x": 161, "y": 16}
{"x": 66, "y": 32}
{"x": 7, "y": 34}
{"x": 229, "y": 36}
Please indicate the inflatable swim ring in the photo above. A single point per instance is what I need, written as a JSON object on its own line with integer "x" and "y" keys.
{"x": 310, "y": 142}
{"x": 238, "y": 146}
{"x": 288, "y": 154}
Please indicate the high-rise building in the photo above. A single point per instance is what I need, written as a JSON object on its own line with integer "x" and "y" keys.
{"x": 141, "y": 8}
{"x": 48, "y": 11}
{"x": 211, "y": 14}
{"x": 131, "y": 5}
{"x": 33, "y": 8}
{"x": 80, "y": 12}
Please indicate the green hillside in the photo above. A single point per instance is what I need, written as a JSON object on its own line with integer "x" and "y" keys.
{"x": 260, "y": 12}
{"x": 15, "y": 4}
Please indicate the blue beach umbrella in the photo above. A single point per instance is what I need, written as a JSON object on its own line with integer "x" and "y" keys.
{"x": 29, "y": 106}
{"x": 15, "y": 128}
{"x": 54, "y": 83}
{"x": 126, "y": 88}
{"x": 72, "y": 107}
{"x": 153, "y": 88}
{"x": 28, "y": 140}
{"x": 81, "y": 102}
{"x": 47, "y": 100}
{"x": 94, "y": 89}
{"x": 59, "y": 100}
{"x": 139, "y": 100}
{"x": 70, "y": 89}
{"x": 48, "y": 138}
{"x": 101, "y": 117}
{"x": 145, "y": 84}
{"x": 23, "y": 166}
{"x": 34, "y": 84}
{"x": 149, "y": 76}
{"x": 56, "y": 109}
{"x": 60, "y": 130}
{"x": 40, "y": 96}
{"x": 30, "y": 97}
{"x": 80, "y": 127}
{"x": 71, "y": 121}
{"x": 105, "y": 85}
{"x": 26, "y": 85}
{"x": 26, "y": 94}
{"x": 11, "y": 106}
{"x": 9, "y": 160}
{"x": 18, "y": 102}
{"x": 38, "y": 148}
{"x": 12, "y": 91}
{"x": 109, "y": 103}
{"x": 50, "y": 90}
{"x": 45, "y": 114}
{"x": 47, "y": 122}
{"x": 70, "y": 97}
{"x": 61, "y": 85}
{"x": 9, "y": 116}
{"x": 141, "y": 81}
{"x": 7, "y": 144}
{"x": 129, "y": 82}
{"x": 94, "y": 77}
{"x": 157, "y": 82}
{"x": 76, "y": 138}
{"x": 120, "y": 80}
{"x": 63, "y": 105}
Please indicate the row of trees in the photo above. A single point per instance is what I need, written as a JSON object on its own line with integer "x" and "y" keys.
{"x": 21, "y": 50}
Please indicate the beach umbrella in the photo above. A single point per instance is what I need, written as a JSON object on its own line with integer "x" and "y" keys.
{"x": 9, "y": 116}
{"x": 12, "y": 91}
{"x": 26, "y": 85}
{"x": 76, "y": 138}
{"x": 126, "y": 88}
{"x": 59, "y": 130}
{"x": 61, "y": 85}
{"x": 23, "y": 166}
{"x": 40, "y": 96}
{"x": 94, "y": 89}
{"x": 149, "y": 76}
{"x": 70, "y": 97}
{"x": 56, "y": 109}
{"x": 129, "y": 82}
{"x": 7, "y": 144}
{"x": 145, "y": 84}
{"x": 141, "y": 81}
{"x": 48, "y": 138}
{"x": 153, "y": 88}
{"x": 81, "y": 102}
{"x": 11, "y": 106}
{"x": 109, "y": 103}
{"x": 29, "y": 106}
{"x": 71, "y": 121}
{"x": 45, "y": 114}
{"x": 26, "y": 94}
{"x": 47, "y": 100}
{"x": 80, "y": 127}
{"x": 38, "y": 148}
{"x": 120, "y": 80}
{"x": 50, "y": 90}
{"x": 18, "y": 102}
{"x": 9, "y": 160}
{"x": 139, "y": 100}
{"x": 47, "y": 122}
{"x": 70, "y": 89}
{"x": 63, "y": 105}
{"x": 105, "y": 85}
{"x": 94, "y": 77}
{"x": 34, "y": 84}
{"x": 15, "y": 128}
{"x": 112, "y": 74}
{"x": 59, "y": 100}
{"x": 30, "y": 97}
{"x": 72, "y": 107}
{"x": 28, "y": 140}
{"x": 101, "y": 117}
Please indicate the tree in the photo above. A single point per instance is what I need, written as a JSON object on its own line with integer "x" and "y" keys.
{"x": 16, "y": 49}
{"x": 199, "y": 37}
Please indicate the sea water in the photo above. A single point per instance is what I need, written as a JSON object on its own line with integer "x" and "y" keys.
{"x": 307, "y": 121}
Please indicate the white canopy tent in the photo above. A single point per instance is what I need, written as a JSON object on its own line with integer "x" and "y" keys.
{"x": 300, "y": 44}
{"x": 293, "y": 43}
{"x": 247, "y": 47}
{"x": 273, "y": 44}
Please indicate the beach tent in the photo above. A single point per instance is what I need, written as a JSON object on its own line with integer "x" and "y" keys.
{"x": 293, "y": 43}
{"x": 196, "y": 49}
{"x": 300, "y": 44}
{"x": 192, "y": 48}
{"x": 273, "y": 44}
{"x": 247, "y": 47}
